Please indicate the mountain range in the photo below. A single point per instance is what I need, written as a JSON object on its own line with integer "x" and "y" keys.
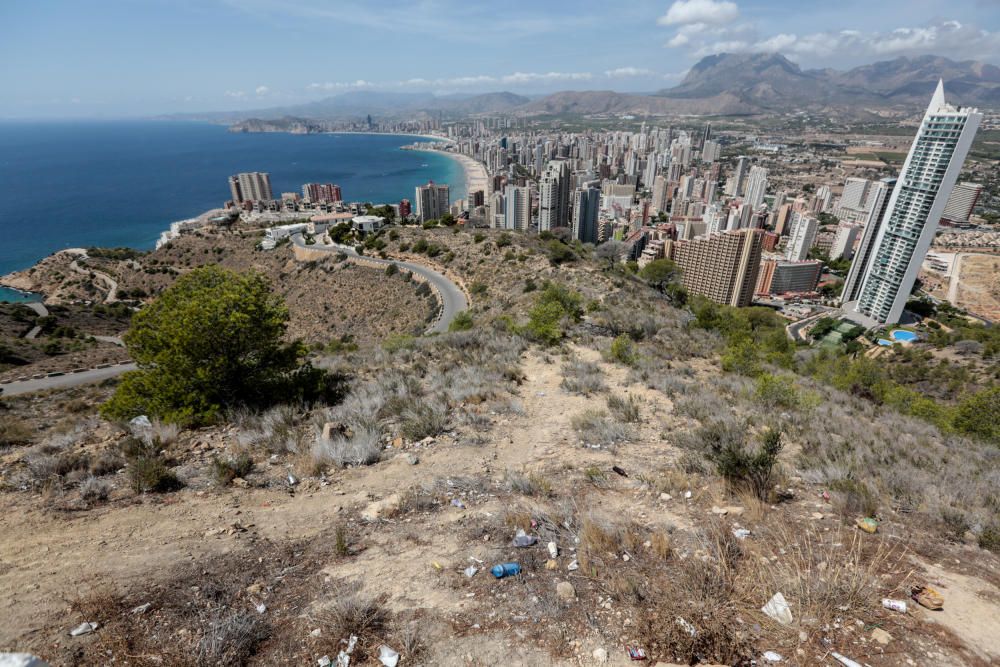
{"x": 722, "y": 84}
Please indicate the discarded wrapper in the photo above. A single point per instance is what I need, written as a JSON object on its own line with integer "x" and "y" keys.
{"x": 926, "y": 596}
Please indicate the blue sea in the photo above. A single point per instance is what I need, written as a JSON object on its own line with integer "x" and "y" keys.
{"x": 65, "y": 185}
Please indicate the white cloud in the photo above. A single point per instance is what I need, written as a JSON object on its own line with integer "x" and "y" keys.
{"x": 624, "y": 72}
{"x": 235, "y": 93}
{"x": 340, "y": 85}
{"x": 262, "y": 90}
{"x": 689, "y": 12}
{"x": 535, "y": 77}
{"x": 698, "y": 37}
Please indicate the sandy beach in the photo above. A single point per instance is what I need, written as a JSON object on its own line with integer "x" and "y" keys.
{"x": 476, "y": 177}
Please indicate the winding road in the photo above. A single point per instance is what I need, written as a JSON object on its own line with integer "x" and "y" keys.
{"x": 453, "y": 302}
{"x": 453, "y": 299}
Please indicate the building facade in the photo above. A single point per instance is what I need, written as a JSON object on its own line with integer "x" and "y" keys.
{"x": 433, "y": 201}
{"x": 721, "y": 267}
{"x": 915, "y": 207}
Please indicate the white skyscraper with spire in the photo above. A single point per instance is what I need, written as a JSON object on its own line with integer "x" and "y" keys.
{"x": 917, "y": 202}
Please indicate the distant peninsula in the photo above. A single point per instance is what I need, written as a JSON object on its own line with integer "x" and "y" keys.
{"x": 288, "y": 124}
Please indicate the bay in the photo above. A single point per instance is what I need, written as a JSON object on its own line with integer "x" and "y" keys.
{"x": 121, "y": 183}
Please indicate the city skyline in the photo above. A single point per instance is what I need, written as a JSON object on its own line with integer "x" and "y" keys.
{"x": 160, "y": 57}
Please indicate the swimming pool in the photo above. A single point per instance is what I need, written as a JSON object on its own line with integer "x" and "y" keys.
{"x": 902, "y": 336}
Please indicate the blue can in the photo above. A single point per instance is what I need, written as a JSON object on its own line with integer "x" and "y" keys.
{"x": 506, "y": 570}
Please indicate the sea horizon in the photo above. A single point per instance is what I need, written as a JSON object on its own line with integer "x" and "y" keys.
{"x": 122, "y": 183}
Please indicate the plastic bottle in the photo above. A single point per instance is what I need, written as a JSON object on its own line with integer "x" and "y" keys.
{"x": 895, "y": 605}
{"x": 505, "y": 570}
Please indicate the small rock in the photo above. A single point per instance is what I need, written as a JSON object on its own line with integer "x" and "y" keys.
{"x": 734, "y": 510}
{"x": 255, "y": 589}
{"x": 328, "y": 429}
{"x": 380, "y": 508}
{"x": 720, "y": 511}
{"x": 316, "y": 633}
{"x": 881, "y": 636}
{"x": 240, "y": 483}
{"x": 565, "y": 591}
{"x": 412, "y": 459}
{"x": 397, "y": 442}
{"x": 600, "y": 655}
{"x": 665, "y": 497}
{"x": 816, "y": 516}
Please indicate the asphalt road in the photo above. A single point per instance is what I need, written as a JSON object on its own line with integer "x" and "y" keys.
{"x": 66, "y": 380}
{"x": 452, "y": 297}
{"x": 453, "y": 302}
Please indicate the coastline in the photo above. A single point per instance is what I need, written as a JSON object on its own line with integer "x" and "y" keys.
{"x": 476, "y": 176}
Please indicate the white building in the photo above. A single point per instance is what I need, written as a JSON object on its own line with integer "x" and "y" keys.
{"x": 432, "y": 201}
{"x": 367, "y": 223}
{"x": 962, "y": 202}
{"x": 843, "y": 242}
{"x": 802, "y": 236}
{"x": 517, "y": 208}
{"x": 756, "y": 187}
{"x": 914, "y": 209}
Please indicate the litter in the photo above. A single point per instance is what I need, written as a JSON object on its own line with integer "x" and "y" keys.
{"x": 84, "y": 628}
{"x": 635, "y": 653}
{"x": 771, "y": 656}
{"x": 387, "y": 656}
{"x": 471, "y": 571}
{"x": 573, "y": 565}
{"x": 436, "y": 565}
{"x": 778, "y": 609}
{"x": 261, "y": 608}
{"x": 553, "y": 549}
{"x": 926, "y": 596}
{"x": 895, "y": 605}
{"x": 21, "y": 660}
{"x": 324, "y": 661}
{"x": 505, "y": 570}
{"x": 619, "y": 471}
{"x": 741, "y": 533}
{"x": 142, "y": 609}
{"x": 522, "y": 539}
{"x": 868, "y": 525}
{"x": 455, "y": 502}
{"x": 688, "y": 628}
{"x": 687, "y": 495}
{"x": 292, "y": 480}
{"x": 844, "y": 660}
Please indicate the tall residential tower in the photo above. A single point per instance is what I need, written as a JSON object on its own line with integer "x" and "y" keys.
{"x": 914, "y": 209}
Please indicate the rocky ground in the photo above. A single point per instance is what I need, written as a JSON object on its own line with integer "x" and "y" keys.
{"x": 290, "y": 530}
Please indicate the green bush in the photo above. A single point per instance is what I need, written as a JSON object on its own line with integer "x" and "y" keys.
{"x": 462, "y": 322}
{"x": 742, "y": 467}
{"x": 149, "y": 474}
{"x": 776, "y": 391}
{"x": 226, "y": 470}
{"x": 977, "y": 415}
{"x": 623, "y": 351}
{"x": 552, "y": 306}
{"x": 211, "y": 341}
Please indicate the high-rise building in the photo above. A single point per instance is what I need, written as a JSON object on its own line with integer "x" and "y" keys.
{"x": 843, "y": 241}
{"x": 721, "y": 267}
{"x": 734, "y": 184}
{"x": 433, "y": 201}
{"x": 801, "y": 238}
{"x": 821, "y": 202}
{"x": 915, "y": 207}
{"x": 711, "y": 151}
{"x": 517, "y": 208}
{"x": 962, "y": 202}
{"x": 784, "y": 277}
{"x": 586, "y": 205}
{"x": 878, "y": 203}
{"x": 250, "y": 186}
{"x": 855, "y": 193}
{"x": 756, "y": 187}
{"x": 553, "y": 196}
{"x": 661, "y": 192}
{"x": 783, "y": 219}
{"x": 319, "y": 192}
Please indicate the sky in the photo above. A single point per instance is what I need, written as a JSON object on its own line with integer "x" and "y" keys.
{"x": 122, "y": 58}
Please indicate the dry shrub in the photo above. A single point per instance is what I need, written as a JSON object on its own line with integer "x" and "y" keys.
{"x": 533, "y": 484}
{"x": 351, "y": 611}
{"x": 232, "y": 638}
{"x": 582, "y": 377}
{"x": 661, "y": 545}
{"x": 602, "y": 541}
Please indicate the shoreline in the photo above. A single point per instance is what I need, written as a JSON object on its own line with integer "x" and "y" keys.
{"x": 476, "y": 175}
